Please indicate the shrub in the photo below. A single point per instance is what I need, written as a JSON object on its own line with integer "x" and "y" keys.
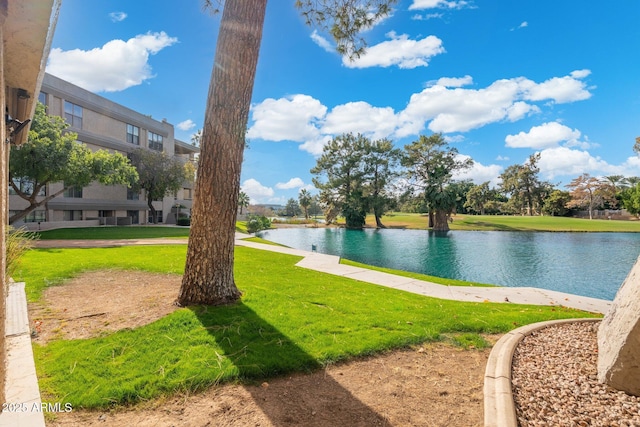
{"x": 256, "y": 223}
{"x": 18, "y": 242}
{"x": 183, "y": 221}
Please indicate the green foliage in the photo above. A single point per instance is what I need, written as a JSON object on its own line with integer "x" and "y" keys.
{"x": 305, "y": 199}
{"x": 243, "y": 201}
{"x": 18, "y": 242}
{"x": 631, "y": 199}
{"x": 290, "y": 319}
{"x": 51, "y": 154}
{"x": 523, "y": 185}
{"x": 184, "y": 222}
{"x": 159, "y": 174}
{"x": 257, "y": 223}
{"x": 292, "y": 208}
{"x": 477, "y": 198}
{"x": 556, "y": 203}
{"x": 357, "y": 175}
{"x": 431, "y": 164}
{"x": 345, "y": 19}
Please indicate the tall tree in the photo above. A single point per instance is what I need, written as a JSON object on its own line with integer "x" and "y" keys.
{"x": 523, "y": 185}
{"x": 304, "y": 200}
{"x": 342, "y": 164}
{"x": 478, "y": 196}
{"x": 380, "y": 167}
{"x": 431, "y": 165}
{"x": 556, "y": 203}
{"x": 159, "y": 175}
{"x": 589, "y": 192}
{"x": 51, "y": 154}
{"x": 292, "y": 208}
{"x": 208, "y": 277}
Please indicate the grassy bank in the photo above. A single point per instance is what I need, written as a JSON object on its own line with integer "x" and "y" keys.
{"x": 511, "y": 223}
{"x": 289, "y": 319}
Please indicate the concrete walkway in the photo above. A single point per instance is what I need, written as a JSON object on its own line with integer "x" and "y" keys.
{"x": 22, "y": 384}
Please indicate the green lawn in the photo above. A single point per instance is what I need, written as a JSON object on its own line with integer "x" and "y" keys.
{"x": 289, "y": 319}
{"x": 510, "y": 223}
{"x": 99, "y": 233}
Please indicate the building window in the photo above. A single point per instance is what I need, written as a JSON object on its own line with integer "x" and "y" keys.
{"x": 132, "y": 195}
{"x": 155, "y": 141}
{"x": 158, "y": 216}
{"x": 42, "y": 98}
{"x": 133, "y": 134}
{"x": 72, "y": 215}
{"x": 135, "y": 216}
{"x": 73, "y": 192}
{"x": 187, "y": 193}
{"x": 25, "y": 185}
{"x": 34, "y": 216}
{"x": 73, "y": 114}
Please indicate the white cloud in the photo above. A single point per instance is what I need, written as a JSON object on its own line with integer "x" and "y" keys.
{"x": 257, "y": 192}
{"x": 186, "y": 125}
{"x": 524, "y": 24}
{"x": 502, "y": 158}
{"x": 400, "y": 51}
{"x": 426, "y": 16}
{"x": 445, "y": 107}
{"x": 292, "y": 183}
{"x": 360, "y": 117}
{"x": 563, "y": 161}
{"x": 117, "y": 16}
{"x": 459, "y": 110}
{"x": 479, "y": 173}
{"x": 544, "y": 136}
{"x": 322, "y": 42}
{"x": 454, "y": 81}
{"x": 432, "y": 4}
{"x": 113, "y": 67}
{"x": 559, "y": 89}
{"x": 315, "y": 146}
{"x": 292, "y": 118}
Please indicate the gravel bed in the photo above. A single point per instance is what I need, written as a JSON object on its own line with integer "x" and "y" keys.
{"x": 554, "y": 381}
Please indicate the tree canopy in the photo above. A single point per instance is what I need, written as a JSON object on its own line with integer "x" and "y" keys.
{"x": 159, "y": 175}
{"x": 51, "y": 154}
{"x": 431, "y": 165}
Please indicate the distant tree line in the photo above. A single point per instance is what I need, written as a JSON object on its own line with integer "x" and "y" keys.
{"x": 357, "y": 176}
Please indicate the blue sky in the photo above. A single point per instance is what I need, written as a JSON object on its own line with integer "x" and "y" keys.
{"x": 500, "y": 79}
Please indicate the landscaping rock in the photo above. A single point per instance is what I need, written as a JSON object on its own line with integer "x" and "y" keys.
{"x": 619, "y": 338}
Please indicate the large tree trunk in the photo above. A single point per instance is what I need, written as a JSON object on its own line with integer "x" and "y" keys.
{"x": 208, "y": 277}
{"x": 441, "y": 221}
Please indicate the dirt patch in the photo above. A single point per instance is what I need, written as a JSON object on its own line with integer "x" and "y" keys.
{"x": 432, "y": 385}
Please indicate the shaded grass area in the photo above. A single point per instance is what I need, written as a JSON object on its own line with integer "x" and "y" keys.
{"x": 289, "y": 319}
{"x": 418, "y": 276}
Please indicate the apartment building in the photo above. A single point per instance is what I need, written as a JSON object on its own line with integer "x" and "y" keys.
{"x": 103, "y": 124}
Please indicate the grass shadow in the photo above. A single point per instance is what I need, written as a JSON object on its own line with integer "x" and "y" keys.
{"x": 259, "y": 352}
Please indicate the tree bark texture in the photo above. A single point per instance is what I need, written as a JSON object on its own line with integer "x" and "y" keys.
{"x": 208, "y": 278}
{"x": 441, "y": 221}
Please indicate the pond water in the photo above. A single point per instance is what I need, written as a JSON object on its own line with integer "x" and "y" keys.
{"x": 589, "y": 264}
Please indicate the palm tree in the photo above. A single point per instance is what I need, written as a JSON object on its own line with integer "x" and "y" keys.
{"x": 243, "y": 200}
{"x": 304, "y": 199}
